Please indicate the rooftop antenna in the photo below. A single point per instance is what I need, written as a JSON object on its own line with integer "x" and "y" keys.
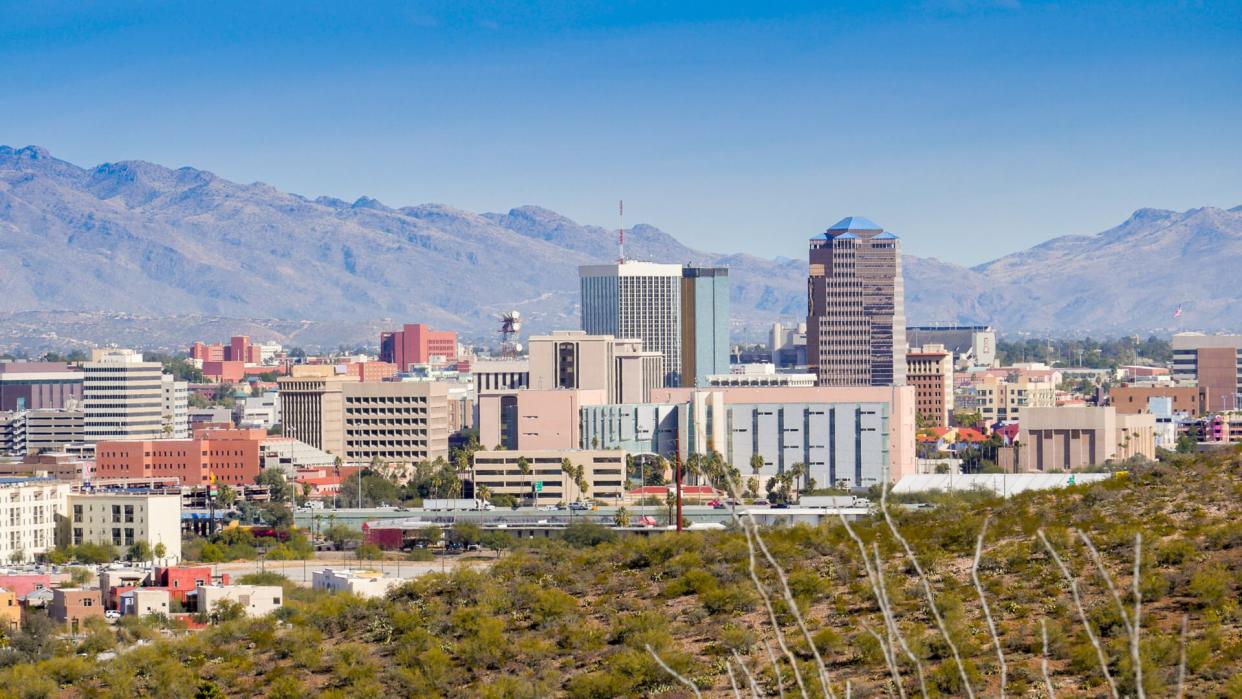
{"x": 621, "y": 232}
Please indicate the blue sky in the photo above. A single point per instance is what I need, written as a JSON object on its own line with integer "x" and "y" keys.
{"x": 971, "y": 128}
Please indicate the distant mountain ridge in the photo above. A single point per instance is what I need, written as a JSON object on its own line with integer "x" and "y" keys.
{"x": 138, "y": 238}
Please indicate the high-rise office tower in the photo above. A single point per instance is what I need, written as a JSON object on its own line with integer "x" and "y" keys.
{"x": 680, "y": 312}
{"x": 122, "y": 396}
{"x": 704, "y": 324}
{"x": 856, "y": 323}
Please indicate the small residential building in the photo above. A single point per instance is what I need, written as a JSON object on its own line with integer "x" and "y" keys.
{"x": 180, "y": 581}
{"x": 544, "y": 481}
{"x": 114, "y": 581}
{"x": 256, "y": 600}
{"x": 22, "y": 583}
{"x": 1060, "y": 439}
{"x": 145, "y": 600}
{"x": 74, "y": 606}
{"x": 123, "y": 519}
{"x": 10, "y": 611}
{"x": 368, "y": 584}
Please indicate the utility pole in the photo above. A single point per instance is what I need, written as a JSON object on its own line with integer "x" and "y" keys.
{"x": 677, "y": 477}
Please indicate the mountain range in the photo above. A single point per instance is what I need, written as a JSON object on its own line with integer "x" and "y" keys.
{"x": 97, "y": 254}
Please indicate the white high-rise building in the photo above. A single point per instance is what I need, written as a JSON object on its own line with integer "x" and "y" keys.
{"x": 640, "y": 300}
{"x": 175, "y": 407}
{"x": 122, "y": 396}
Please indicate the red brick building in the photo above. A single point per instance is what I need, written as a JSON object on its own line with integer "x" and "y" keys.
{"x": 418, "y": 344}
{"x": 369, "y": 372}
{"x": 232, "y": 455}
{"x": 239, "y": 349}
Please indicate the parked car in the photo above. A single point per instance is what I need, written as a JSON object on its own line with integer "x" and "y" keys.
{"x": 579, "y": 506}
{"x": 112, "y": 614}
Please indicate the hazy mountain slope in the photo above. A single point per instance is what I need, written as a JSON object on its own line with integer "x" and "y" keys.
{"x": 140, "y": 239}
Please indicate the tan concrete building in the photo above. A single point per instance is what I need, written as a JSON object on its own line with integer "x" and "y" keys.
{"x": 394, "y": 421}
{"x": 856, "y": 322}
{"x": 1132, "y": 399}
{"x": 545, "y": 482}
{"x": 1060, "y": 439}
{"x": 572, "y": 359}
{"x": 930, "y": 370}
{"x": 534, "y": 419}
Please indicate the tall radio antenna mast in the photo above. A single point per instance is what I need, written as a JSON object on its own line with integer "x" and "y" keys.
{"x": 621, "y": 231}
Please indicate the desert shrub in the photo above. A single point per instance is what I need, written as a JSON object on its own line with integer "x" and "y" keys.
{"x": 1174, "y": 552}
{"x": 1211, "y": 585}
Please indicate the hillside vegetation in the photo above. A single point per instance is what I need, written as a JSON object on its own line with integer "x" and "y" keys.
{"x": 616, "y": 619}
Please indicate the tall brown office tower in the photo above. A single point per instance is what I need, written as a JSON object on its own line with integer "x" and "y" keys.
{"x": 856, "y": 319}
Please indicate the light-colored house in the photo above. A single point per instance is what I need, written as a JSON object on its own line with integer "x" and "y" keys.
{"x": 142, "y": 601}
{"x": 363, "y": 583}
{"x": 256, "y": 600}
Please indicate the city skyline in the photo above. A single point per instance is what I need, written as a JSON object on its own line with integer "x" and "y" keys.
{"x": 721, "y": 124}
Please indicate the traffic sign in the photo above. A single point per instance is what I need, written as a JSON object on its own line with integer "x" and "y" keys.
{"x": 538, "y": 486}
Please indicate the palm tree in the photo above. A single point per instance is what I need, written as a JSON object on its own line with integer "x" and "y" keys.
{"x": 756, "y": 463}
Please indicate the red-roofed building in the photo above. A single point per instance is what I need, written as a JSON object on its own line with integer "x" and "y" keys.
{"x": 1008, "y": 432}
{"x": 969, "y": 435}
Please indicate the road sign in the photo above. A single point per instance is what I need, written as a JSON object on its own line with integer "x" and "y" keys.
{"x": 538, "y": 486}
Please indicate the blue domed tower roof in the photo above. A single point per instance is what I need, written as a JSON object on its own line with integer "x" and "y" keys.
{"x": 854, "y": 223}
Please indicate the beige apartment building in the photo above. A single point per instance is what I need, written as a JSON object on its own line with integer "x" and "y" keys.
{"x": 572, "y": 359}
{"x": 401, "y": 421}
{"x": 28, "y": 513}
{"x": 998, "y": 399}
{"x": 930, "y": 370}
{"x": 544, "y": 481}
{"x": 1060, "y": 439}
{"x": 124, "y": 519}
